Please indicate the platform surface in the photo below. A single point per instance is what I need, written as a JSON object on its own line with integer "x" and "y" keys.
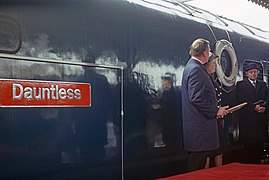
{"x": 233, "y": 171}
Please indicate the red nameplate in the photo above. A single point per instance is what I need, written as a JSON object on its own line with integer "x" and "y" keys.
{"x": 22, "y": 93}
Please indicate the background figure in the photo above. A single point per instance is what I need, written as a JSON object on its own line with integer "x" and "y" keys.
{"x": 44, "y": 135}
{"x": 199, "y": 107}
{"x": 253, "y": 123}
{"x": 168, "y": 107}
{"x": 90, "y": 122}
{"x": 211, "y": 68}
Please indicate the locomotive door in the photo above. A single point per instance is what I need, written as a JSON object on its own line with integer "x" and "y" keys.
{"x": 60, "y": 114}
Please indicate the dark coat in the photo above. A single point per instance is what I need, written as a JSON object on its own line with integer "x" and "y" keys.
{"x": 253, "y": 126}
{"x": 169, "y": 117}
{"x": 199, "y": 109}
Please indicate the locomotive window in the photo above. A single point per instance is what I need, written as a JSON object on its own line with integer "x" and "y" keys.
{"x": 226, "y": 63}
{"x": 10, "y": 36}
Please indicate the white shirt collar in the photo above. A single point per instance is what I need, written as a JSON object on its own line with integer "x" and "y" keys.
{"x": 197, "y": 59}
{"x": 252, "y": 81}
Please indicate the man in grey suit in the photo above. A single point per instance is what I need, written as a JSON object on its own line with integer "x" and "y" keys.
{"x": 199, "y": 107}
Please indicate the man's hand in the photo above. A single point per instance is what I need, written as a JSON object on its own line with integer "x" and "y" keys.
{"x": 259, "y": 109}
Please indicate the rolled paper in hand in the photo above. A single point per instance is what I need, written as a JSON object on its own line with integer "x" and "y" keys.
{"x": 237, "y": 107}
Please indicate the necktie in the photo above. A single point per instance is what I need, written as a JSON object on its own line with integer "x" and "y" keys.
{"x": 254, "y": 83}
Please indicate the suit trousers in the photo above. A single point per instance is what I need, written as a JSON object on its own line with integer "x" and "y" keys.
{"x": 197, "y": 160}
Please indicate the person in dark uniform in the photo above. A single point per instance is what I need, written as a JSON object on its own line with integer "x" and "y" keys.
{"x": 253, "y": 123}
{"x": 217, "y": 155}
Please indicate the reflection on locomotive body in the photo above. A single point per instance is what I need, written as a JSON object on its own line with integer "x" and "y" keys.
{"x": 90, "y": 123}
{"x": 131, "y": 54}
{"x": 42, "y": 135}
{"x": 165, "y": 115}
